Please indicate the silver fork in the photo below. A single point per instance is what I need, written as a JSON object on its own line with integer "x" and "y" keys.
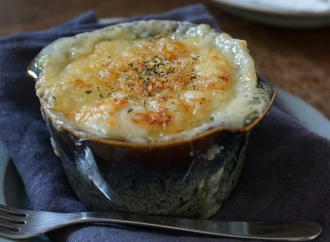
{"x": 22, "y": 224}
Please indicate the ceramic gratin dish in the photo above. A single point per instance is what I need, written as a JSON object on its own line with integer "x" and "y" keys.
{"x": 187, "y": 174}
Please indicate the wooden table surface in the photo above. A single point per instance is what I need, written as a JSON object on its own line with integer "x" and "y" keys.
{"x": 296, "y": 60}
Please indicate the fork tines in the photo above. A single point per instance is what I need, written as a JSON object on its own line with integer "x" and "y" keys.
{"x": 10, "y": 219}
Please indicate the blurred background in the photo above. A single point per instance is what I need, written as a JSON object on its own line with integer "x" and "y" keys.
{"x": 295, "y": 59}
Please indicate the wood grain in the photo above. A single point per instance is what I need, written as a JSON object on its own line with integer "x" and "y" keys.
{"x": 295, "y": 60}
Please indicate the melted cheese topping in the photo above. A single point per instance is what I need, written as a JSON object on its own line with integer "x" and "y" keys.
{"x": 133, "y": 88}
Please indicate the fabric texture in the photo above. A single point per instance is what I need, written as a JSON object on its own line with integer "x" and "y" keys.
{"x": 285, "y": 175}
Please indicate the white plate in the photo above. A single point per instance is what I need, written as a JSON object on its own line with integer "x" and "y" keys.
{"x": 12, "y": 192}
{"x": 268, "y": 14}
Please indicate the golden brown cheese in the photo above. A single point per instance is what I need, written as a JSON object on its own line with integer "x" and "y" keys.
{"x": 148, "y": 80}
{"x": 165, "y": 86}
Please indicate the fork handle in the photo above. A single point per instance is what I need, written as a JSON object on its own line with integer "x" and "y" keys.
{"x": 285, "y": 231}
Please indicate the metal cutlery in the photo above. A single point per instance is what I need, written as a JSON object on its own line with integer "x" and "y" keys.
{"x": 22, "y": 224}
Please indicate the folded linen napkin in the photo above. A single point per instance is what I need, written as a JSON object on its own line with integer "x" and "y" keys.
{"x": 285, "y": 176}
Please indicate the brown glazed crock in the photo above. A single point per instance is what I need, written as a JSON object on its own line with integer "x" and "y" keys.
{"x": 184, "y": 177}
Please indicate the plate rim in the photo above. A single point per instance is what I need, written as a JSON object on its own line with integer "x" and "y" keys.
{"x": 273, "y": 11}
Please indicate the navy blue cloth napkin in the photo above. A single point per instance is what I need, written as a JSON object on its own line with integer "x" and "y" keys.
{"x": 286, "y": 175}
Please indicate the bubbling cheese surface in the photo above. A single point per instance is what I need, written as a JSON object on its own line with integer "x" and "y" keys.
{"x": 146, "y": 88}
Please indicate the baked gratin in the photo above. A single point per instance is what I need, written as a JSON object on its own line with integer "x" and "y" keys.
{"x": 148, "y": 80}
